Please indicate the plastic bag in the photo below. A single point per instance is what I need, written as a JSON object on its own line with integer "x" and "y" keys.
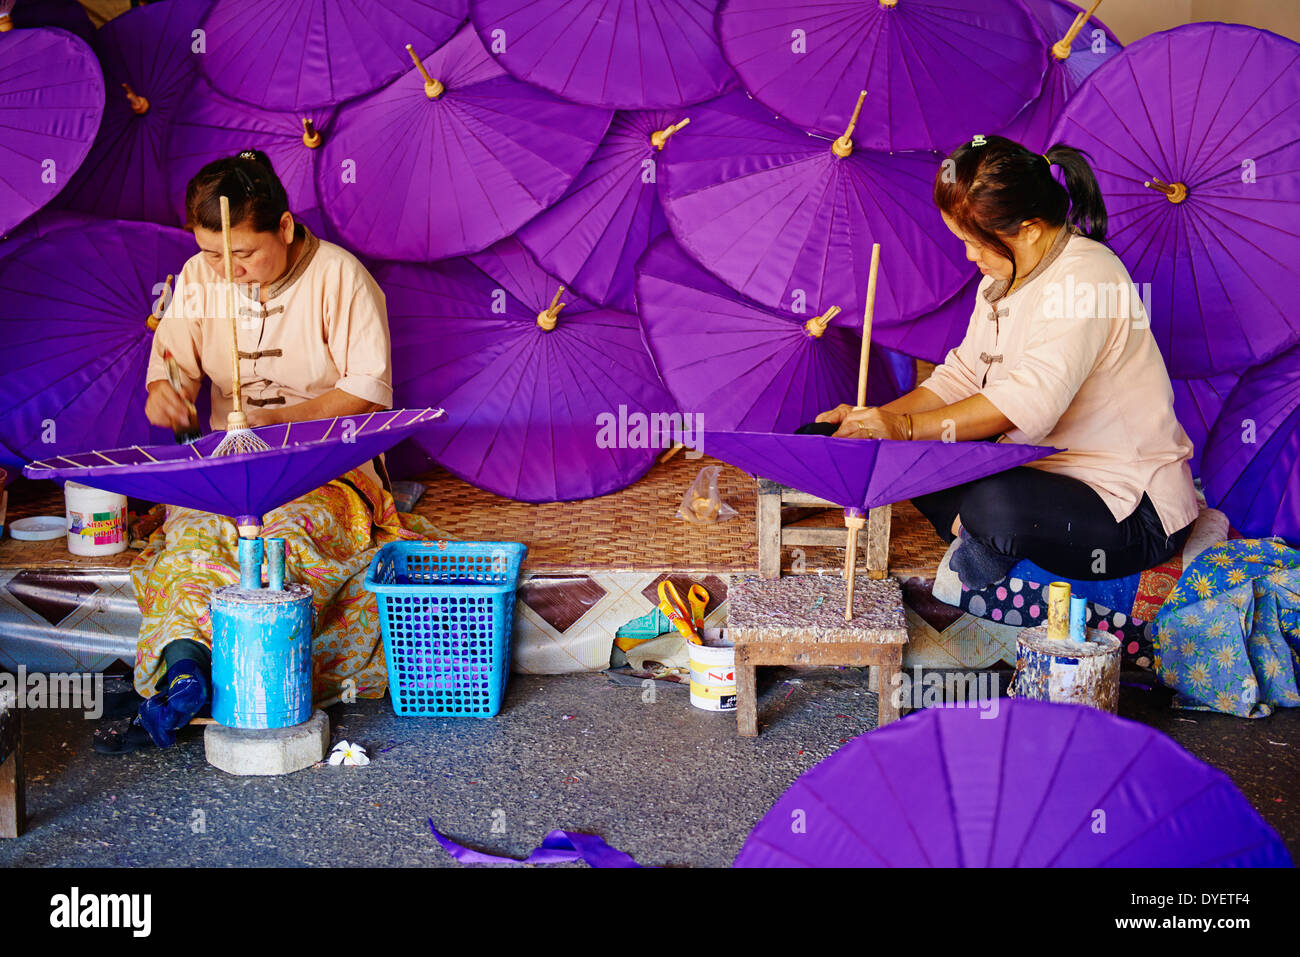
{"x": 702, "y": 505}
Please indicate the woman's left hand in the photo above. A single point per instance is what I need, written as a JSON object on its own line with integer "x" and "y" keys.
{"x": 871, "y": 423}
{"x": 259, "y": 417}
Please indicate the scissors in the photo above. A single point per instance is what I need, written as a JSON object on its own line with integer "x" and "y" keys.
{"x": 675, "y": 610}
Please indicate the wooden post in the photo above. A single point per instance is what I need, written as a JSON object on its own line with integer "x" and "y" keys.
{"x": 886, "y": 708}
{"x": 878, "y": 521}
{"x": 13, "y": 810}
{"x": 746, "y": 698}
{"x": 769, "y": 532}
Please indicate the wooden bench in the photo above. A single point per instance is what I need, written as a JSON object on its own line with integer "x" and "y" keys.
{"x": 773, "y": 535}
{"x": 12, "y": 806}
{"x": 799, "y": 620}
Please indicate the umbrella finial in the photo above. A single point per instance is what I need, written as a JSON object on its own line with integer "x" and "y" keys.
{"x": 659, "y": 137}
{"x": 816, "y": 326}
{"x": 547, "y": 318}
{"x": 310, "y": 135}
{"x": 1061, "y": 48}
{"x": 843, "y": 147}
{"x": 139, "y": 105}
{"x": 159, "y": 306}
{"x": 889, "y": 4}
{"x": 1174, "y": 192}
{"x": 6, "y": 24}
{"x": 432, "y": 88}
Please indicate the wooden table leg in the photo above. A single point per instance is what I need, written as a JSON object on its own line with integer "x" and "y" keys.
{"x": 768, "y": 524}
{"x": 892, "y": 663}
{"x": 878, "y": 522}
{"x": 12, "y": 804}
{"x": 746, "y": 701}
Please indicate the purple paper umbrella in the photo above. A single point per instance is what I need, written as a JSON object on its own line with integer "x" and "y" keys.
{"x": 935, "y": 71}
{"x": 74, "y": 311}
{"x": 1084, "y": 49}
{"x": 67, "y": 15}
{"x": 213, "y": 127}
{"x": 1017, "y": 787}
{"x": 740, "y": 365}
{"x": 542, "y": 414}
{"x": 1251, "y": 463}
{"x": 594, "y": 235}
{"x": 783, "y": 218}
{"x": 1197, "y": 166}
{"x": 51, "y": 100}
{"x": 427, "y": 169}
{"x": 865, "y": 473}
{"x": 42, "y": 224}
{"x": 1197, "y": 403}
{"x": 302, "y": 456}
{"x": 930, "y": 336}
{"x": 620, "y": 54}
{"x": 149, "y": 61}
{"x": 291, "y": 55}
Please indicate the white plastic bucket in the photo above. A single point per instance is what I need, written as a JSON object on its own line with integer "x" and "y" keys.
{"x": 96, "y": 520}
{"x": 713, "y": 674}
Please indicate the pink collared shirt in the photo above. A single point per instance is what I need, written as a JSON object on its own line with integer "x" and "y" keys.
{"x": 1069, "y": 358}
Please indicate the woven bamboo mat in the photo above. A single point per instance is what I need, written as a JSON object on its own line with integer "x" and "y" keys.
{"x": 634, "y": 529}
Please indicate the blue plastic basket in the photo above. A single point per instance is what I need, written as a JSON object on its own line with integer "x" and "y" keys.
{"x": 446, "y": 610}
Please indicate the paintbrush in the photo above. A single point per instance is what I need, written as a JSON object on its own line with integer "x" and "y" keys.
{"x": 191, "y": 432}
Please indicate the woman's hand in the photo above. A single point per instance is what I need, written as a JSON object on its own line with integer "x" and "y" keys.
{"x": 869, "y": 423}
{"x": 836, "y": 414}
{"x": 258, "y": 417}
{"x": 166, "y": 408}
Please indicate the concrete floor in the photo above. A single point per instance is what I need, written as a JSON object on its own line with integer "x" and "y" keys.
{"x": 659, "y": 779}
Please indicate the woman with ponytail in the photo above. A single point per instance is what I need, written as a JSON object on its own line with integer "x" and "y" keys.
{"x": 313, "y": 344}
{"x": 1058, "y": 352}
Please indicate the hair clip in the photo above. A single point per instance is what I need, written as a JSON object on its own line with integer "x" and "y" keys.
{"x": 1044, "y": 156}
{"x": 248, "y": 155}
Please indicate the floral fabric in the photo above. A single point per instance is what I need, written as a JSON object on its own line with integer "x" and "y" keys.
{"x": 1228, "y": 636}
{"x": 330, "y": 536}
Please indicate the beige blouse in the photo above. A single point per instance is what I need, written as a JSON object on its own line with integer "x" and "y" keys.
{"x": 1070, "y": 359}
{"x": 324, "y": 326}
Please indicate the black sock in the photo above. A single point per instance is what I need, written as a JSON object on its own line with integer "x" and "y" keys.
{"x": 977, "y": 565}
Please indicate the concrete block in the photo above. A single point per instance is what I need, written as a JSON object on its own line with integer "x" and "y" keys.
{"x": 268, "y": 751}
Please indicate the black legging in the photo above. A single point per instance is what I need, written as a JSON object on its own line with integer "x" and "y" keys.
{"x": 1059, "y": 523}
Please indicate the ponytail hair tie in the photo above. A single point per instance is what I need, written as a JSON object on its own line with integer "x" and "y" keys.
{"x": 1044, "y": 156}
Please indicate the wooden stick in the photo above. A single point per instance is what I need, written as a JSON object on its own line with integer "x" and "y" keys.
{"x": 236, "y": 419}
{"x": 659, "y": 137}
{"x": 432, "y": 88}
{"x": 854, "y": 523}
{"x": 310, "y": 135}
{"x": 843, "y": 147}
{"x": 816, "y": 326}
{"x": 154, "y": 319}
{"x": 1174, "y": 192}
{"x": 546, "y": 318}
{"x": 1061, "y": 48}
{"x": 866, "y": 326}
{"x": 139, "y": 105}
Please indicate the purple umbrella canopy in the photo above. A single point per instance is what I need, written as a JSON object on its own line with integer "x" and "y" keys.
{"x": 67, "y": 15}
{"x": 1017, "y": 787}
{"x": 51, "y": 100}
{"x": 1197, "y": 404}
{"x": 1091, "y": 46}
{"x": 619, "y": 54}
{"x": 291, "y": 55}
{"x": 1212, "y": 237}
{"x": 1251, "y": 463}
{"x": 149, "y": 60}
{"x": 213, "y": 127}
{"x": 428, "y": 169}
{"x": 865, "y": 473}
{"x": 47, "y": 221}
{"x": 740, "y": 365}
{"x": 73, "y": 317}
{"x": 303, "y": 456}
{"x": 930, "y": 336}
{"x": 542, "y": 415}
{"x": 779, "y": 216}
{"x": 594, "y": 235}
{"x": 936, "y": 71}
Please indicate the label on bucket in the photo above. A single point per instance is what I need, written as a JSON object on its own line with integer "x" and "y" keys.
{"x": 713, "y": 699}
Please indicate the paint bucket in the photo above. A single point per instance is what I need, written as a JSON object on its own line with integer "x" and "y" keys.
{"x": 713, "y": 672}
{"x": 261, "y": 656}
{"x": 1068, "y": 672}
{"x": 96, "y": 520}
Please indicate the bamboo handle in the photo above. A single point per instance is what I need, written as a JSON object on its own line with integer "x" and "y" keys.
{"x": 850, "y": 571}
{"x": 1061, "y": 48}
{"x": 432, "y": 88}
{"x": 1174, "y": 192}
{"x": 139, "y": 105}
{"x": 229, "y": 258}
{"x": 154, "y": 319}
{"x": 866, "y": 325}
{"x": 659, "y": 137}
{"x": 546, "y": 318}
{"x": 843, "y": 147}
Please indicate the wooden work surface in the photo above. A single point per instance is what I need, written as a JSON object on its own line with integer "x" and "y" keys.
{"x": 810, "y": 608}
{"x": 632, "y": 529}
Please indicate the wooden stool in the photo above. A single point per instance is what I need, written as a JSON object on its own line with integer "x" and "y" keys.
{"x": 772, "y": 535}
{"x": 799, "y": 620}
{"x": 12, "y": 806}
